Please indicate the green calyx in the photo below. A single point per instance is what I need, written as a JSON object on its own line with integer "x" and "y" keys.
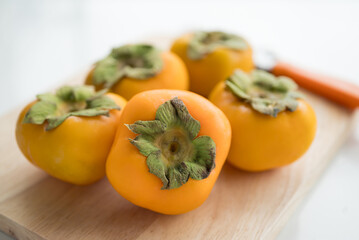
{"x": 266, "y": 93}
{"x": 68, "y": 101}
{"x": 203, "y": 43}
{"x": 138, "y": 61}
{"x": 170, "y": 143}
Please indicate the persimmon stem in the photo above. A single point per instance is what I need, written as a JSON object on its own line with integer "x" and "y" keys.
{"x": 203, "y": 43}
{"x": 139, "y": 61}
{"x": 170, "y": 143}
{"x": 68, "y": 101}
{"x": 265, "y": 93}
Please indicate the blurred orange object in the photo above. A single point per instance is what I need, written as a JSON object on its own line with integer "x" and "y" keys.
{"x": 342, "y": 92}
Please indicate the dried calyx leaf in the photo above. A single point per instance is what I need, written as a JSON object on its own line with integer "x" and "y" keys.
{"x": 68, "y": 101}
{"x": 264, "y": 92}
{"x": 170, "y": 143}
{"x": 138, "y": 61}
{"x": 203, "y": 43}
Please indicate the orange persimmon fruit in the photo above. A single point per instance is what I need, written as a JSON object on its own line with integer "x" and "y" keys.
{"x": 69, "y": 134}
{"x": 169, "y": 149}
{"x": 211, "y": 57}
{"x": 131, "y": 69}
{"x": 272, "y": 125}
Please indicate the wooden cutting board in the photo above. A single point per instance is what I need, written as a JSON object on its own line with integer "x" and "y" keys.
{"x": 242, "y": 205}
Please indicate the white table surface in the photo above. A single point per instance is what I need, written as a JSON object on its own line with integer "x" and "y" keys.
{"x": 42, "y": 42}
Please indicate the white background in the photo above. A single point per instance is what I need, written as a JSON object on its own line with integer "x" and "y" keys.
{"x": 42, "y": 42}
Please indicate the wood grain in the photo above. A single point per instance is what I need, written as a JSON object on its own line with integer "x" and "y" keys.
{"x": 242, "y": 205}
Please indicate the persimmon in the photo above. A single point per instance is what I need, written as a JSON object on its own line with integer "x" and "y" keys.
{"x": 168, "y": 151}
{"x": 135, "y": 68}
{"x": 69, "y": 133}
{"x": 211, "y": 57}
{"x": 272, "y": 125}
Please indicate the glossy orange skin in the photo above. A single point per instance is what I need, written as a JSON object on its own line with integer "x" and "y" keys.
{"x": 205, "y": 73}
{"x": 76, "y": 150}
{"x": 173, "y": 75}
{"x": 126, "y": 167}
{"x": 261, "y": 142}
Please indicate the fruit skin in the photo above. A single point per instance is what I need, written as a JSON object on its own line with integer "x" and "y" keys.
{"x": 76, "y": 150}
{"x": 205, "y": 73}
{"x": 261, "y": 142}
{"x": 126, "y": 167}
{"x": 174, "y": 75}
